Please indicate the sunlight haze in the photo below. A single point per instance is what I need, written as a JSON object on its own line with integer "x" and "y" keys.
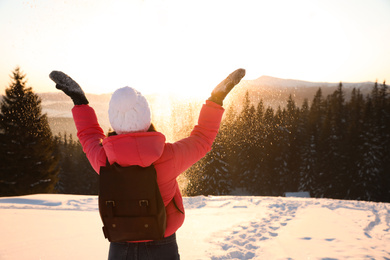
{"x": 188, "y": 47}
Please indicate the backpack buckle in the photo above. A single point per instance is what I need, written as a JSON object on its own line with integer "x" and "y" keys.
{"x": 110, "y": 203}
{"x": 143, "y": 203}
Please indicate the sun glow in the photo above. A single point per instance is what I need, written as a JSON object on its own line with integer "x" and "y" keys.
{"x": 146, "y": 56}
{"x": 188, "y": 47}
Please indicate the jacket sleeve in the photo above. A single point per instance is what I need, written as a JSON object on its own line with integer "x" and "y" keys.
{"x": 90, "y": 135}
{"x": 191, "y": 149}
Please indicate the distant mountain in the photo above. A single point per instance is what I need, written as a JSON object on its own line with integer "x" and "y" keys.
{"x": 275, "y": 91}
{"x": 267, "y": 81}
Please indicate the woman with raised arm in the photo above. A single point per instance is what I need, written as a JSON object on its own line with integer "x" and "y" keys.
{"x": 135, "y": 142}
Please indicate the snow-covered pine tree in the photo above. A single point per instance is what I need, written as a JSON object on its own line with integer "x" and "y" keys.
{"x": 291, "y": 119}
{"x": 268, "y": 179}
{"x": 336, "y": 174}
{"x": 311, "y": 147}
{"x": 369, "y": 165}
{"x": 28, "y": 164}
{"x": 257, "y": 151}
{"x": 305, "y": 150}
{"x": 355, "y": 143}
{"x": 281, "y": 154}
{"x": 244, "y": 143}
{"x": 372, "y": 164}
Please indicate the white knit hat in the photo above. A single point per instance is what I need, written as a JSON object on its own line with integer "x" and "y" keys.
{"x": 129, "y": 111}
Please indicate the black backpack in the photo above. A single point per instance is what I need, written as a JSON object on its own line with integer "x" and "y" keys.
{"x": 130, "y": 203}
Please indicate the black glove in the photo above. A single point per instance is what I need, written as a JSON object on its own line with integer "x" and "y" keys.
{"x": 220, "y": 92}
{"x": 69, "y": 87}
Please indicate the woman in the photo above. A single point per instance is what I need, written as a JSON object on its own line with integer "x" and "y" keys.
{"x": 133, "y": 144}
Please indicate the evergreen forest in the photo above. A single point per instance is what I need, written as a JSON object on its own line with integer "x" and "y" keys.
{"x": 330, "y": 146}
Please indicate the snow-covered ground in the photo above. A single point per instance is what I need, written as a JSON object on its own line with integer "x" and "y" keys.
{"x": 227, "y": 227}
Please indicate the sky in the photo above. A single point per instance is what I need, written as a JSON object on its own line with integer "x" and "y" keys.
{"x": 188, "y": 47}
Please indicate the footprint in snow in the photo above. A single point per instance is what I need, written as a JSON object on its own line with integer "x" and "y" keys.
{"x": 273, "y": 234}
{"x": 242, "y": 236}
{"x": 251, "y": 247}
{"x": 225, "y": 247}
{"x": 252, "y": 230}
{"x": 240, "y": 242}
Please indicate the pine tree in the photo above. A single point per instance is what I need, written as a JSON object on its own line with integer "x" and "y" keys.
{"x": 291, "y": 135}
{"x": 312, "y": 155}
{"x": 355, "y": 146}
{"x": 334, "y": 134}
{"x": 281, "y": 154}
{"x": 369, "y": 166}
{"x": 258, "y": 151}
{"x": 27, "y": 152}
{"x": 244, "y": 141}
{"x": 268, "y": 179}
{"x": 305, "y": 150}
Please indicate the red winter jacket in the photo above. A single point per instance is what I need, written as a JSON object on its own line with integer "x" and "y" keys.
{"x": 146, "y": 148}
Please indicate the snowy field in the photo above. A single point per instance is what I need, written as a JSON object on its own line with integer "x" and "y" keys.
{"x": 68, "y": 227}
